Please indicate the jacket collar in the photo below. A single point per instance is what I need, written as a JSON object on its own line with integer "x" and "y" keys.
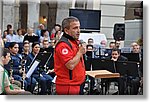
{"x": 68, "y": 37}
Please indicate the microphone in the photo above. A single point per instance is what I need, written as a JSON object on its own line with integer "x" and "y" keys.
{"x": 83, "y": 43}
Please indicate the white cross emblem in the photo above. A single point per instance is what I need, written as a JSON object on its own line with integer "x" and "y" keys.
{"x": 64, "y": 51}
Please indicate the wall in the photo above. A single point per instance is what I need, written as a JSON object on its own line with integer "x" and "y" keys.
{"x": 63, "y": 10}
{"x": 133, "y": 31}
{"x": 8, "y": 13}
{"x": 33, "y": 13}
{"x": 112, "y": 11}
{"x": 1, "y": 8}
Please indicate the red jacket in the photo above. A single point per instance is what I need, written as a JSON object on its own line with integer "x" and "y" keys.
{"x": 63, "y": 53}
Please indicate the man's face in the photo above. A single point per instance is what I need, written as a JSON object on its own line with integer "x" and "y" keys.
{"x": 57, "y": 28}
{"x": 30, "y": 31}
{"x": 111, "y": 46}
{"x": 74, "y": 30}
{"x": 20, "y": 32}
{"x": 10, "y": 31}
{"x": 26, "y": 47}
{"x": 117, "y": 43}
{"x": 115, "y": 55}
{"x": 14, "y": 50}
{"x": 45, "y": 44}
{"x": 136, "y": 49}
{"x": 6, "y": 59}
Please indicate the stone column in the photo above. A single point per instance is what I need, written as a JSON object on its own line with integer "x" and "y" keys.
{"x": 8, "y": 13}
{"x": 63, "y": 10}
{"x": 1, "y": 10}
{"x": 90, "y": 4}
{"x": 96, "y": 4}
{"x": 33, "y": 13}
{"x": 16, "y": 15}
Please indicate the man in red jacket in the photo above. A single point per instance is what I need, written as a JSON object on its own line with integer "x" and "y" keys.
{"x": 68, "y": 59}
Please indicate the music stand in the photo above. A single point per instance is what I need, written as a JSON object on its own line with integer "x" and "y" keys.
{"x": 31, "y": 39}
{"x": 109, "y": 65}
{"x": 133, "y": 69}
{"x": 49, "y": 49}
{"x": 103, "y": 64}
{"x": 121, "y": 67}
{"x": 132, "y": 56}
{"x": 97, "y": 64}
{"x": 89, "y": 54}
{"x": 108, "y": 52}
{"x": 40, "y": 61}
{"x": 128, "y": 68}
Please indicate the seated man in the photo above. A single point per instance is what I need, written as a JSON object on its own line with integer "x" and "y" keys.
{"x": 115, "y": 56}
{"x": 5, "y": 85}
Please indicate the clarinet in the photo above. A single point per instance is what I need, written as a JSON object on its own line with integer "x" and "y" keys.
{"x": 23, "y": 70}
{"x": 11, "y": 70}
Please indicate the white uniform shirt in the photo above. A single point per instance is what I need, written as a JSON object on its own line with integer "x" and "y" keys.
{"x": 6, "y": 81}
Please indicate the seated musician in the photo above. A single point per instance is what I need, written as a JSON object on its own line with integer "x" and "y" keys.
{"x": 15, "y": 64}
{"x": 5, "y": 85}
{"x": 45, "y": 79}
{"x": 115, "y": 56}
{"x": 46, "y": 47}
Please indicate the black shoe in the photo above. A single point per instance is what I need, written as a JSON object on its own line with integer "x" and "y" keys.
{"x": 116, "y": 93}
{"x": 94, "y": 92}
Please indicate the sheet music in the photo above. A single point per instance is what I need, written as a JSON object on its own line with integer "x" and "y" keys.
{"x": 34, "y": 65}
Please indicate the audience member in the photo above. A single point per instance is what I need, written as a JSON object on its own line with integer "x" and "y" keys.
{"x": 4, "y": 36}
{"x": 112, "y": 45}
{"x": 19, "y": 36}
{"x": 39, "y": 30}
{"x": 11, "y": 37}
{"x": 44, "y": 34}
{"x": 117, "y": 44}
{"x": 56, "y": 28}
{"x": 1, "y": 40}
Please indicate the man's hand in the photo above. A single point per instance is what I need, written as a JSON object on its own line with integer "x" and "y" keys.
{"x": 82, "y": 48}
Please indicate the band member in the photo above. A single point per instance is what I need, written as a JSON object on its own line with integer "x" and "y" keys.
{"x": 115, "y": 56}
{"x": 44, "y": 79}
{"x": 15, "y": 64}
{"x": 5, "y": 85}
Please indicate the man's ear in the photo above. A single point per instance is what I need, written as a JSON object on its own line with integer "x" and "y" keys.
{"x": 2, "y": 58}
{"x": 66, "y": 30}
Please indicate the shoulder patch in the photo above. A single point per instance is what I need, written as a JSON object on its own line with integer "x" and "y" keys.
{"x": 64, "y": 51}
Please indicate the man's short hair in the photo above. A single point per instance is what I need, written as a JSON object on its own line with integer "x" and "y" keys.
{"x": 115, "y": 49}
{"x": 66, "y": 22}
{"x": 26, "y": 42}
{"x": 4, "y": 52}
